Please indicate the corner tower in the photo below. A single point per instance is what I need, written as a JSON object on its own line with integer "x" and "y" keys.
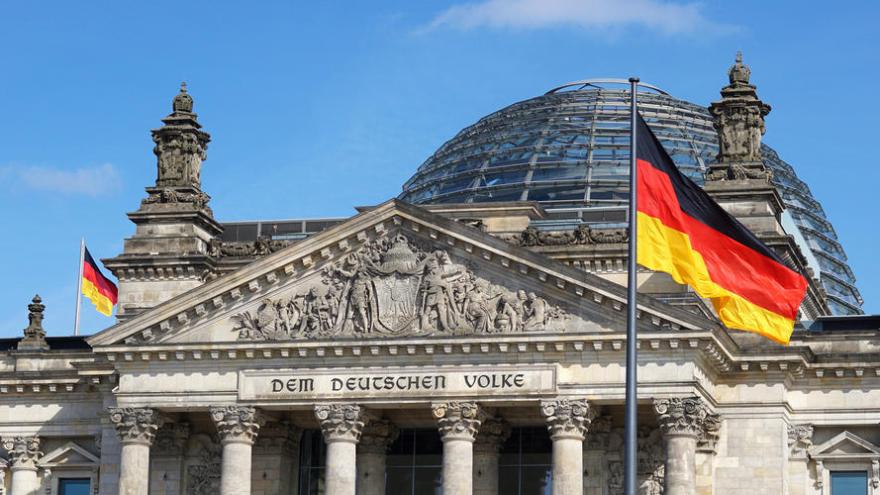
{"x": 168, "y": 253}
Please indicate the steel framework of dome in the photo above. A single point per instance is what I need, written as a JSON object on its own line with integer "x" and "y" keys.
{"x": 569, "y": 149}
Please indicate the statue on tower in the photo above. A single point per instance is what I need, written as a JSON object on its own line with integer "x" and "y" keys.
{"x": 739, "y": 121}
{"x": 181, "y": 146}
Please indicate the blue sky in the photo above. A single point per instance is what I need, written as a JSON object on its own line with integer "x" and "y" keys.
{"x": 315, "y": 107}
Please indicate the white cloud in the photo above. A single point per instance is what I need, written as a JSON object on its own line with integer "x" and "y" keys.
{"x": 89, "y": 181}
{"x": 660, "y": 15}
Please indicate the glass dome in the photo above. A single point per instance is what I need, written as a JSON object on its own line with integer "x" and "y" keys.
{"x": 570, "y": 148}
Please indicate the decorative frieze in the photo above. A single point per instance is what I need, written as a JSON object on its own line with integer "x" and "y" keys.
{"x": 458, "y": 420}
{"x": 340, "y": 422}
{"x": 684, "y": 416}
{"x": 136, "y": 425}
{"x": 567, "y": 417}
{"x": 492, "y": 435}
{"x": 237, "y": 423}
{"x": 583, "y": 234}
{"x": 24, "y": 451}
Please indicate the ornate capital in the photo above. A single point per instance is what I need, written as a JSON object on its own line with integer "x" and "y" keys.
{"x": 684, "y": 416}
{"x": 377, "y": 436}
{"x": 237, "y": 423}
{"x": 24, "y": 451}
{"x": 281, "y": 437}
{"x": 567, "y": 418}
{"x": 493, "y": 433}
{"x": 341, "y": 422}
{"x": 458, "y": 420}
{"x": 800, "y": 439}
{"x": 135, "y": 425}
{"x": 171, "y": 439}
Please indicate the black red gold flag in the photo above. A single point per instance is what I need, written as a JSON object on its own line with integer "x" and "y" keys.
{"x": 101, "y": 291}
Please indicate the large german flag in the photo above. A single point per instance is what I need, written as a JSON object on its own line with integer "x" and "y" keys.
{"x": 101, "y": 291}
{"x": 683, "y": 232}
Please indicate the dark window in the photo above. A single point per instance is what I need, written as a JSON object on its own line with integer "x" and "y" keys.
{"x": 311, "y": 463}
{"x": 849, "y": 482}
{"x": 415, "y": 463}
{"x": 525, "y": 466}
{"x": 74, "y": 486}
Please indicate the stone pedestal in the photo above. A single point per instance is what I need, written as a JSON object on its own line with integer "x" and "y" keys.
{"x": 493, "y": 433}
{"x": 567, "y": 421}
{"x": 24, "y": 452}
{"x": 238, "y": 427}
{"x": 682, "y": 421}
{"x": 459, "y": 423}
{"x": 341, "y": 425}
{"x": 136, "y": 428}
{"x": 371, "y": 453}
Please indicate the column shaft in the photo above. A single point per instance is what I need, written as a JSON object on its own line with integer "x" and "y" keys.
{"x": 341, "y": 467}
{"x": 682, "y": 420}
{"x": 134, "y": 469}
{"x": 24, "y": 481}
{"x": 235, "y": 468}
{"x": 485, "y": 473}
{"x": 680, "y": 465}
{"x": 568, "y": 466}
{"x": 341, "y": 425}
{"x": 458, "y": 466}
{"x": 371, "y": 473}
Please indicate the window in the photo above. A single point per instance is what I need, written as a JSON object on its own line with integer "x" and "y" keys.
{"x": 525, "y": 466}
{"x": 74, "y": 486}
{"x": 311, "y": 463}
{"x": 415, "y": 464}
{"x": 849, "y": 482}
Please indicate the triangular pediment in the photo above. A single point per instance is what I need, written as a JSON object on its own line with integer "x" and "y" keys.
{"x": 393, "y": 271}
{"x": 69, "y": 454}
{"x": 845, "y": 445}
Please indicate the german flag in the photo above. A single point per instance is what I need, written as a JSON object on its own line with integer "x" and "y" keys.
{"x": 683, "y": 232}
{"x": 101, "y": 291}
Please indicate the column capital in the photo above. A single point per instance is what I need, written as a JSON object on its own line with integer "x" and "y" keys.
{"x": 686, "y": 416}
{"x": 458, "y": 420}
{"x": 136, "y": 424}
{"x": 567, "y": 418}
{"x": 171, "y": 439}
{"x": 377, "y": 436}
{"x": 493, "y": 433}
{"x": 237, "y": 424}
{"x": 24, "y": 452}
{"x": 341, "y": 422}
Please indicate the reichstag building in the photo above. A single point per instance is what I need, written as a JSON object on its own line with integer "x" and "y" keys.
{"x": 465, "y": 337}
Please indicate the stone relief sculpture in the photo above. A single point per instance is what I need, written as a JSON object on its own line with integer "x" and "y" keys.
{"x": 651, "y": 463}
{"x": 260, "y": 247}
{"x": 392, "y": 288}
{"x": 583, "y": 234}
{"x": 203, "y": 470}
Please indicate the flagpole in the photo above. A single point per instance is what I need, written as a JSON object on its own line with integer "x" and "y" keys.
{"x": 631, "y": 417}
{"x": 79, "y": 283}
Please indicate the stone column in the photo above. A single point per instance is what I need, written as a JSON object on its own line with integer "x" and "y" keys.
{"x": 567, "y": 421}
{"x": 136, "y": 428}
{"x": 341, "y": 425}
{"x": 23, "y": 455}
{"x": 493, "y": 433}
{"x": 377, "y": 436}
{"x": 238, "y": 427}
{"x": 458, "y": 423}
{"x": 682, "y": 421}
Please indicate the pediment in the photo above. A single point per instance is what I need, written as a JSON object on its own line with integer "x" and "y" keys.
{"x": 69, "y": 454}
{"x": 845, "y": 445}
{"x": 393, "y": 271}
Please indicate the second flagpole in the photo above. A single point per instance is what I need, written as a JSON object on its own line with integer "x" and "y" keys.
{"x": 631, "y": 416}
{"x": 82, "y": 257}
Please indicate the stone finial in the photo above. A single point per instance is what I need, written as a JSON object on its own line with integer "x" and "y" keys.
{"x": 458, "y": 420}
{"x": 493, "y": 433}
{"x": 182, "y": 102}
{"x": 136, "y": 425}
{"x": 237, "y": 423}
{"x": 34, "y": 335}
{"x": 181, "y": 147}
{"x": 739, "y": 122}
{"x": 377, "y": 437}
{"x": 685, "y": 416}
{"x": 341, "y": 422}
{"x": 567, "y": 417}
{"x": 24, "y": 451}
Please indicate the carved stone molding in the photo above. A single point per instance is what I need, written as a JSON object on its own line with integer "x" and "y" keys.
{"x": 493, "y": 433}
{"x": 708, "y": 439}
{"x": 237, "y": 423}
{"x": 567, "y": 418}
{"x": 341, "y": 422}
{"x": 392, "y": 287}
{"x": 171, "y": 439}
{"x": 458, "y": 420}
{"x": 583, "y": 234}
{"x": 377, "y": 436}
{"x": 684, "y": 416}
{"x": 800, "y": 439}
{"x": 136, "y": 425}
{"x": 24, "y": 451}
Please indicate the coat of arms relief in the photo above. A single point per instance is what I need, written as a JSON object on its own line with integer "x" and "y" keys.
{"x": 392, "y": 287}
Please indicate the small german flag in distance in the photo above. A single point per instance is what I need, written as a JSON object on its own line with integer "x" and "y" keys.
{"x": 101, "y": 291}
{"x": 683, "y": 232}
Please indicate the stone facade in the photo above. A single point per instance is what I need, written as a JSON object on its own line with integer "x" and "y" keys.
{"x": 461, "y": 321}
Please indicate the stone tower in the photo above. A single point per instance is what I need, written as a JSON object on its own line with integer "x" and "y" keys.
{"x": 168, "y": 253}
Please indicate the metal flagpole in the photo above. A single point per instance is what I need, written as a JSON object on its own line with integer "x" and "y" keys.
{"x": 631, "y": 419}
{"x": 79, "y": 284}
